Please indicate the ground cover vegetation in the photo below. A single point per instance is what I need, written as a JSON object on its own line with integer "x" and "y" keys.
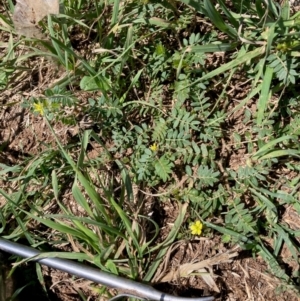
{"x": 124, "y": 108}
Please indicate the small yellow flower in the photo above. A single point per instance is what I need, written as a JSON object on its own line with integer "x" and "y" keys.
{"x": 39, "y": 108}
{"x": 196, "y": 228}
{"x": 154, "y": 147}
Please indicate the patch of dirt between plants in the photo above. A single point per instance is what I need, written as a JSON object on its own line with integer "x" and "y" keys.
{"x": 64, "y": 287}
{"x": 245, "y": 278}
{"x": 27, "y": 135}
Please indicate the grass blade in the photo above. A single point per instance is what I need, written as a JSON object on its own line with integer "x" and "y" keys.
{"x": 247, "y": 57}
{"x": 169, "y": 240}
{"x": 269, "y": 146}
{"x": 265, "y": 95}
{"x": 218, "y": 21}
{"x": 212, "y": 47}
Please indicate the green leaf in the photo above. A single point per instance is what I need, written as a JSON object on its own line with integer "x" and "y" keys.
{"x": 212, "y": 47}
{"x": 242, "y": 59}
{"x": 265, "y": 94}
{"x": 54, "y": 184}
{"x": 182, "y": 89}
{"x": 163, "y": 168}
{"x": 160, "y": 130}
{"x": 269, "y": 147}
{"x": 281, "y": 153}
{"x": 218, "y": 21}
{"x": 207, "y": 176}
{"x": 197, "y": 5}
{"x": 90, "y": 83}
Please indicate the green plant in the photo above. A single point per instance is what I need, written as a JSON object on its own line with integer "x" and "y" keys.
{"x": 188, "y": 101}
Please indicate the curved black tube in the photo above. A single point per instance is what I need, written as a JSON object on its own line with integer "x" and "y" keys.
{"x": 126, "y": 286}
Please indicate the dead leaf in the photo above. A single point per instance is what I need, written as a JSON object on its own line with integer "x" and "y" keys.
{"x": 189, "y": 269}
{"x": 209, "y": 280}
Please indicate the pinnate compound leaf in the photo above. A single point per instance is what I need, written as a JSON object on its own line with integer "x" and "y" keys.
{"x": 163, "y": 168}
{"x": 160, "y": 130}
{"x": 207, "y": 176}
